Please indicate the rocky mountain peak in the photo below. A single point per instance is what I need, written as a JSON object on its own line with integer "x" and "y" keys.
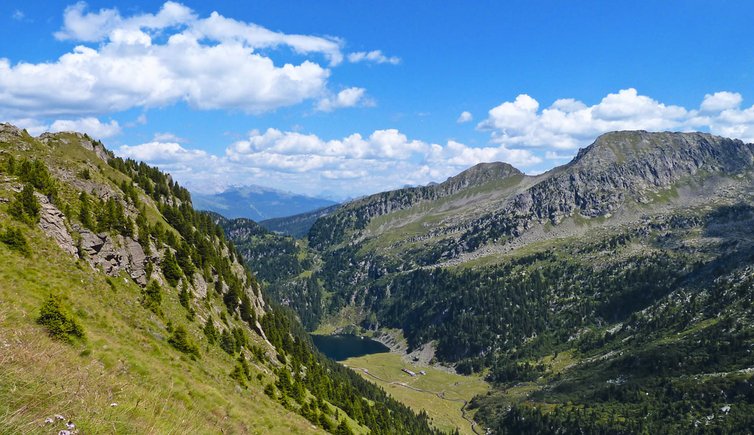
{"x": 482, "y": 173}
{"x": 627, "y": 147}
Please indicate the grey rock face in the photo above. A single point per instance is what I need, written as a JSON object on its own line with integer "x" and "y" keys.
{"x": 200, "y": 285}
{"x": 52, "y": 223}
{"x": 137, "y": 261}
{"x": 618, "y": 167}
{"x": 114, "y": 254}
{"x": 9, "y": 132}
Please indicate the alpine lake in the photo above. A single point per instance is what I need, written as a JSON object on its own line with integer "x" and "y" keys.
{"x": 343, "y": 346}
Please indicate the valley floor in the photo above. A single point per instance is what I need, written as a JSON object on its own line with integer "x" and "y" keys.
{"x": 441, "y": 394}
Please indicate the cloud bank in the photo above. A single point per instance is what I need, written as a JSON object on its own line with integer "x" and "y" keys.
{"x": 174, "y": 55}
{"x": 308, "y": 164}
{"x": 520, "y": 133}
{"x": 568, "y": 124}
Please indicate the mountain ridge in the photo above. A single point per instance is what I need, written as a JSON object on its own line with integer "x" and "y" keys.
{"x": 609, "y": 295}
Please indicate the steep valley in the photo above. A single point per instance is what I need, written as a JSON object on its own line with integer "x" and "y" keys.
{"x": 611, "y": 294}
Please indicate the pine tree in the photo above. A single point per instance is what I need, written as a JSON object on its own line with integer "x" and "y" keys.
{"x": 25, "y": 206}
{"x": 152, "y": 297}
{"x": 85, "y": 213}
{"x": 170, "y": 268}
{"x": 210, "y": 331}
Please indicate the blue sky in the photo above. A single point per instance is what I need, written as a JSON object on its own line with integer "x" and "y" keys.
{"x": 344, "y": 98}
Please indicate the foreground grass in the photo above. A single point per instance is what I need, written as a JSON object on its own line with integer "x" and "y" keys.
{"x": 384, "y": 369}
{"x": 125, "y": 378}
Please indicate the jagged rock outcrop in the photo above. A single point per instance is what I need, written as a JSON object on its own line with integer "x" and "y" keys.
{"x": 52, "y": 222}
{"x": 199, "y": 285}
{"x": 10, "y": 133}
{"x": 113, "y": 254}
{"x": 476, "y": 176}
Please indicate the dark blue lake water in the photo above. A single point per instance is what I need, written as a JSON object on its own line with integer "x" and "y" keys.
{"x": 340, "y": 347}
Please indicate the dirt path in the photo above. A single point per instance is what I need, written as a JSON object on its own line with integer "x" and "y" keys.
{"x": 440, "y": 395}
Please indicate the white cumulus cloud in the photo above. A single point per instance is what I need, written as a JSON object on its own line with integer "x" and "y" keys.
{"x": 350, "y": 97}
{"x": 91, "y": 126}
{"x": 162, "y": 152}
{"x": 570, "y": 124}
{"x": 464, "y": 117}
{"x": 720, "y": 101}
{"x": 374, "y": 56}
{"x": 309, "y": 164}
{"x": 174, "y": 55}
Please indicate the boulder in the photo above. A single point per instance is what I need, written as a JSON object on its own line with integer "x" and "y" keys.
{"x": 91, "y": 243}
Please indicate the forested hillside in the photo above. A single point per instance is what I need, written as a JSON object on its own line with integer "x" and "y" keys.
{"x": 125, "y": 310}
{"x": 611, "y": 294}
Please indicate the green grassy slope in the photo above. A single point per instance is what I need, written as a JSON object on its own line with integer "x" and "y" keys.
{"x": 125, "y": 360}
{"x": 147, "y": 362}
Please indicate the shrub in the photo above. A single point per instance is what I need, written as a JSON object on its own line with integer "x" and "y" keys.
{"x": 210, "y": 331}
{"x": 151, "y": 297}
{"x": 228, "y": 342}
{"x": 180, "y": 340}
{"x": 184, "y": 297}
{"x": 25, "y": 206}
{"x": 60, "y": 324}
{"x": 85, "y": 213}
{"x": 14, "y": 239}
{"x": 10, "y": 165}
{"x": 35, "y": 172}
{"x": 183, "y": 258}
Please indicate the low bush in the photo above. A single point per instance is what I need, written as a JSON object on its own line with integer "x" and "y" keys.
{"x": 14, "y": 239}
{"x": 60, "y": 324}
{"x": 151, "y": 297}
{"x": 181, "y": 340}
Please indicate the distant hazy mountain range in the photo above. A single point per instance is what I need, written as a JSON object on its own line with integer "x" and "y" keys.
{"x": 258, "y": 203}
